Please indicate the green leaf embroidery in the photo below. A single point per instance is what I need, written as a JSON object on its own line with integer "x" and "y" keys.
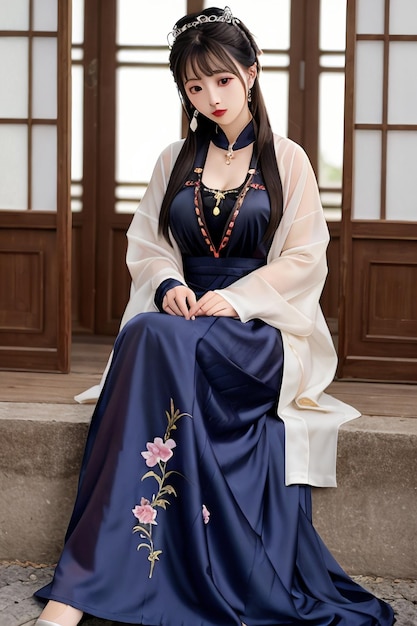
{"x": 146, "y": 511}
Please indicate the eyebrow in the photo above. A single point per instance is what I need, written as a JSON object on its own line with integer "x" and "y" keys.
{"x": 214, "y": 73}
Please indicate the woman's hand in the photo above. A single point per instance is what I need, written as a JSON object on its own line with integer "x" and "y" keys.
{"x": 179, "y": 301}
{"x": 212, "y": 304}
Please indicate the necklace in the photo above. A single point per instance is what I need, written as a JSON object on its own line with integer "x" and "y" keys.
{"x": 229, "y": 154}
{"x": 246, "y": 137}
{"x": 198, "y": 207}
{"x": 219, "y": 196}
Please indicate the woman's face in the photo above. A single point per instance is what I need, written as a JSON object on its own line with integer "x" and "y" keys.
{"x": 222, "y": 97}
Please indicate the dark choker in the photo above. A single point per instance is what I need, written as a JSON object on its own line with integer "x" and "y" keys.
{"x": 246, "y": 137}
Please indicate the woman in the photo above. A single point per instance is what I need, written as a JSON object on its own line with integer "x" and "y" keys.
{"x": 193, "y": 508}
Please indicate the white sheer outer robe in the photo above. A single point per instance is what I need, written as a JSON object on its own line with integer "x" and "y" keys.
{"x": 284, "y": 293}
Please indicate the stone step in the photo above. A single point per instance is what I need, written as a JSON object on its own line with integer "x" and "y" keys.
{"x": 368, "y": 522}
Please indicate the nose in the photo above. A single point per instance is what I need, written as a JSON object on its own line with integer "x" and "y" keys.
{"x": 214, "y": 97}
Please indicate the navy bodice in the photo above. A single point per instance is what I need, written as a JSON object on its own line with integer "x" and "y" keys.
{"x": 247, "y": 237}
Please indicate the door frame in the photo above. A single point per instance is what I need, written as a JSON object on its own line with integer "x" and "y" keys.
{"x": 35, "y": 319}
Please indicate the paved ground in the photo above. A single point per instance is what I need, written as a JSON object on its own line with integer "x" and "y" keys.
{"x": 18, "y": 608}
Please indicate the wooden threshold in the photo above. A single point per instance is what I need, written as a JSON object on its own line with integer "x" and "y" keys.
{"x": 89, "y": 358}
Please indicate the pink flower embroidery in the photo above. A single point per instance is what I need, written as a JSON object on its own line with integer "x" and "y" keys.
{"x": 206, "y": 514}
{"x": 144, "y": 512}
{"x": 158, "y": 451}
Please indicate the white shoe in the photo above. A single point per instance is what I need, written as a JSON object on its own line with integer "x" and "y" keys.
{"x": 65, "y": 613}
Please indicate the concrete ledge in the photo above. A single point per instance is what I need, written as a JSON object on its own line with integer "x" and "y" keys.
{"x": 368, "y": 522}
{"x": 41, "y": 447}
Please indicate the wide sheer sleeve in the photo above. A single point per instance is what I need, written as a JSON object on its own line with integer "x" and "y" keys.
{"x": 150, "y": 258}
{"x": 285, "y": 292}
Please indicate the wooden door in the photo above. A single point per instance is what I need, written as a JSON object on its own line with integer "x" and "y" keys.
{"x": 34, "y": 185}
{"x": 118, "y": 49}
{"x": 378, "y": 329}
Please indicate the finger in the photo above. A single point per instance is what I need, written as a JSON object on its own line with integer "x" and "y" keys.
{"x": 199, "y": 305}
{"x": 182, "y": 306}
{"x": 217, "y": 309}
{"x": 168, "y": 310}
{"x": 170, "y": 306}
{"x": 191, "y": 298}
{"x": 184, "y": 298}
{"x": 216, "y": 305}
{"x": 208, "y": 311}
{"x": 177, "y": 305}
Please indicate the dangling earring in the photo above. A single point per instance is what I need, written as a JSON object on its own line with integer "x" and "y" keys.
{"x": 194, "y": 121}
{"x": 250, "y": 96}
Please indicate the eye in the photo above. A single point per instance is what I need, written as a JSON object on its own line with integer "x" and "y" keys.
{"x": 195, "y": 89}
{"x": 225, "y": 81}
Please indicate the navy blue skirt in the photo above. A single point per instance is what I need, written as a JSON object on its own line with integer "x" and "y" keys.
{"x": 182, "y": 516}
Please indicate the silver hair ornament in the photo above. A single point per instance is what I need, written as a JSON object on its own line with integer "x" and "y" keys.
{"x": 225, "y": 17}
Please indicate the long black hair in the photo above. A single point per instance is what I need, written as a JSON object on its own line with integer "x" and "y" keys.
{"x": 206, "y": 49}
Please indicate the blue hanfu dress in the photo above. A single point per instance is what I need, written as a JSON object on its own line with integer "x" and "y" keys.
{"x": 183, "y": 517}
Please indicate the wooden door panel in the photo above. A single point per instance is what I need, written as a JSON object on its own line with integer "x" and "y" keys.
{"x": 392, "y": 305}
{"x": 112, "y": 277}
{"x": 385, "y": 276}
{"x": 21, "y": 285}
{"x": 380, "y": 312}
{"x": 30, "y": 323}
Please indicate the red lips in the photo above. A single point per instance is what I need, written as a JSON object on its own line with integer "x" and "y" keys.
{"x": 219, "y": 112}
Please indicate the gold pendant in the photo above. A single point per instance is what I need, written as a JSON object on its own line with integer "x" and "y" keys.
{"x": 218, "y": 196}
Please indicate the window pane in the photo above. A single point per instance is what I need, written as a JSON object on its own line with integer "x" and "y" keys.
{"x": 332, "y": 60}
{"x": 332, "y": 202}
{"x": 77, "y": 21}
{"x": 403, "y": 17}
{"x": 144, "y": 128}
{"x": 77, "y": 108}
{"x": 331, "y": 116}
{"x": 14, "y": 15}
{"x": 332, "y": 24}
{"x": 370, "y": 17}
{"x": 368, "y": 84}
{"x": 77, "y": 123}
{"x": 147, "y": 23}
{"x": 128, "y": 197}
{"x": 13, "y": 166}
{"x": 45, "y": 15}
{"x": 274, "y": 60}
{"x": 44, "y": 168}
{"x": 15, "y": 74}
{"x": 44, "y": 98}
{"x": 149, "y": 55}
{"x": 76, "y": 198}
{"x": 77, "y": 54}
{"x": 274, "y": 87}
{"x": 269, "y": 23}
{"x": 402, "y": 90}
{"x": 367, "y": 175}
{"x": 401, "y": 176}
